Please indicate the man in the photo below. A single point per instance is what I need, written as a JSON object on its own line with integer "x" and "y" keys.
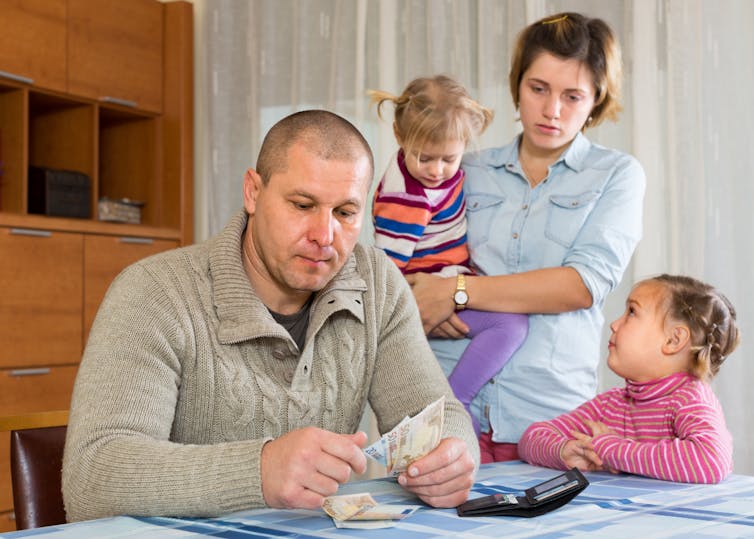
{"x": 233, "y": 374}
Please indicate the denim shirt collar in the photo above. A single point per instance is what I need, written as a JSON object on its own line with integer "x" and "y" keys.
{"x": 574, "y": 157}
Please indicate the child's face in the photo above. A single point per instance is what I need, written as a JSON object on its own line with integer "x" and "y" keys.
{"x": 436, "y": 162}
{"x": 635, "y": 351}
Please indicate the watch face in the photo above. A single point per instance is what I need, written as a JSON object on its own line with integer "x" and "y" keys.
{"x": 461, "y": 297}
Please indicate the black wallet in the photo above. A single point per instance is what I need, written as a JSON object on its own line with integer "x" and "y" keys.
{"x": 537, "y": 500}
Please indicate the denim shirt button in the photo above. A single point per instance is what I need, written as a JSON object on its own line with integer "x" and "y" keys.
{"x": 515, "y": 236}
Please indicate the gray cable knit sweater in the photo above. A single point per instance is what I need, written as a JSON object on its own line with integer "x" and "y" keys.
{"x": 186, "y": 375}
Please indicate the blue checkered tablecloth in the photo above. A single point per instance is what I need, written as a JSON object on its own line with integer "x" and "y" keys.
{"x": 613, "y": 506}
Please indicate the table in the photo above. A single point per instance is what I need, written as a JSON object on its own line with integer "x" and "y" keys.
{"x": 614, "y": 506}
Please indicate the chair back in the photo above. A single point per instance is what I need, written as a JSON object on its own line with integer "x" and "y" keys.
{"x": 36, "y": 461}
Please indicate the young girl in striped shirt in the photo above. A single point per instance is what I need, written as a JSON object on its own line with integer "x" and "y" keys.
{"x": 666, "y": 422}
{"x": 420, "y": 215}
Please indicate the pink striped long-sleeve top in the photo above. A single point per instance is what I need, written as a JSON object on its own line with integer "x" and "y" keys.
{"x": 672, "y": 428}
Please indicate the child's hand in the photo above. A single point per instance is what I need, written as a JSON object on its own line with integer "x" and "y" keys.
{"x": 580, "y": 453}
{"x": 598, "y": 428}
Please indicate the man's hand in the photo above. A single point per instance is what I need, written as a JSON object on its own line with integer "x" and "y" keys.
{"x": 444, "y": 476}
{"x": 434, "y": 297}
{"x": 302, "y": 467}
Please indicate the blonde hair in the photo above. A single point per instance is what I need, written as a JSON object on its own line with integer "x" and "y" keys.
{"x": 710, "y": 317}
{"x": 434, "y": 109}
{"x": 574, "y": 36}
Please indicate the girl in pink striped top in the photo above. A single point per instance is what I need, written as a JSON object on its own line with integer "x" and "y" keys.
{"x": 666, "y": 422}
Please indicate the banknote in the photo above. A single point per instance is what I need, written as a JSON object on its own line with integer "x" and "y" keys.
{"x": 348, "y": 506}
{"x": 423, "y": 436}
{"x": 380, "y": 516}
{"x": 410, "y": 439}
{"x": 386, "y": 511}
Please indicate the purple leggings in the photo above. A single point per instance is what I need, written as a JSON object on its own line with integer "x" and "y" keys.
{"x": 494, "y": 337}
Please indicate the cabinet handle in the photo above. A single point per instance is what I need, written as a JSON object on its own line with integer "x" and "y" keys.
{"x": 31, "y": 232}
{"x": 140, "y": 241}
{"x": 17, "y": 78}
{"x": 30, "y": 372}
{"x": 119, "y": 101}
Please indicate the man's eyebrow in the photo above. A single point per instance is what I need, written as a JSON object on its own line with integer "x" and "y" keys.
{"x": 304, "y": 194}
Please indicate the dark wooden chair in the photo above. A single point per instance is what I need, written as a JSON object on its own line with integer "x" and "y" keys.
{"x": 36, "y": 459}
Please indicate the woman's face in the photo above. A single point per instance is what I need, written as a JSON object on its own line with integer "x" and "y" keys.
{"x": 556, "y": 97}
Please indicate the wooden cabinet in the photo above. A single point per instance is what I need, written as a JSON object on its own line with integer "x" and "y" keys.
{"x": 58, "y": 60}
{"x": 115, "y": 51}
{"x": 33, "y": 42}
{"x": 42, "y": 290}
{"x": 140, "y": 150}
{"x": 38, "y": 389}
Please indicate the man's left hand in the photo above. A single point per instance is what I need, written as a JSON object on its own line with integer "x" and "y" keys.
{"x": 443, "y": 477}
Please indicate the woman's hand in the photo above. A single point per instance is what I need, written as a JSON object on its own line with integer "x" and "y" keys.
{"x": 434, "y": 297}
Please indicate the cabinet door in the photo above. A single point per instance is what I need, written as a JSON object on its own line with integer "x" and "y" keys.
{"x": 41, "y": 301}
{"x": 32, "y": 42}
{"x": 25, "y": 391}
{"x": 115, "y": 51}
{"x": 104, "y": 258}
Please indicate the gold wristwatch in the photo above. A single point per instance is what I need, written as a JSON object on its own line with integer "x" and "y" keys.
{"x": 461, "y": 297}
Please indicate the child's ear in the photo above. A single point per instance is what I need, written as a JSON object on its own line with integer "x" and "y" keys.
{"x": 676, "y": 339}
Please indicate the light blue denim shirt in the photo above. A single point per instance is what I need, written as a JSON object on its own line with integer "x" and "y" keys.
{"x": 587, "y": 214}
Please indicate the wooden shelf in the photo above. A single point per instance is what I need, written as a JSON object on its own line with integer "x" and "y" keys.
{"x": 102, "y": 88}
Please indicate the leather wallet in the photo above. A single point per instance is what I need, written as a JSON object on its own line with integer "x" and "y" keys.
{"x": 537, "y": 500}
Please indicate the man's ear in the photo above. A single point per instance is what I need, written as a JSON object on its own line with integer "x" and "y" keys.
{"x": 252, "y": 184}
{"x": 676, "y": 339}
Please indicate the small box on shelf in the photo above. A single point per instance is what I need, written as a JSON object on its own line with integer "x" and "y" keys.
{"x": 59, "y": 193}
{"x": 123, "y": 210}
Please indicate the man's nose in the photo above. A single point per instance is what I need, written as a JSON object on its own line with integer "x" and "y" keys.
{"x": 322, "y": 228}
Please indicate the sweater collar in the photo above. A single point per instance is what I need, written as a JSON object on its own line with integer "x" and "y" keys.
{"x": 240, "y": 311}
{"x": 658, "y": 388}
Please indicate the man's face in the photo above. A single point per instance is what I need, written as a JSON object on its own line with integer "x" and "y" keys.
{"x": 303, "y": 225}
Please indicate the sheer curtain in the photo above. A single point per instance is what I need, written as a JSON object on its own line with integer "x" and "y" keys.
{"x": 687, "y": 88}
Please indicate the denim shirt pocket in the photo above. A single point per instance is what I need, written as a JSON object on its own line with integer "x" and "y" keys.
{"x": 567, "y": 214}
{"x": 481, "y": 210}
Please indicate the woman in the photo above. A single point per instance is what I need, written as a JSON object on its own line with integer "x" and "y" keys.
{"x": 553, "y": 220}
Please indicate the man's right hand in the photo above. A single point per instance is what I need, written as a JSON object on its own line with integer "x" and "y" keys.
{"x": 302, "y": 467}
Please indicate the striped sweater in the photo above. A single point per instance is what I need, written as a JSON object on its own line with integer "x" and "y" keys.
{"x": 420, "y": 228}
{"x": 672, "y": 428}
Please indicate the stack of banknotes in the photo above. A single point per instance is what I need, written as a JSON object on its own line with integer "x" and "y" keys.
{"x": 361, "y": 511}
{"x": 408, "y": 441}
